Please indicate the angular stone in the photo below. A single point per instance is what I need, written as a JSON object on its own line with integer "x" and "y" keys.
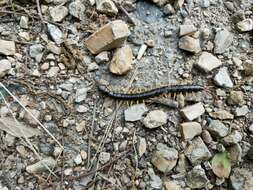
{"x": 236, "y": 98}
{"x": 196, "y": 178}
{"x": 164, "y": 158}
{"x": 5, "y": 66}
{"x": 53, "y": 48}
{"x": 41, "y": 166}
{"x": 233, "y": 138}
{"x": 197, "y": 152}
{"x": 223, "y": 39}
{"x": 207, "y": 62}
{"x": 111, "y": 35}
{"x": 24, "y": 22}
{"x": 135, "y": 112}
{"x": 241, "y": 111}
{"x": 107, "y": 7}
{"x": 36, "y": 51}
{"x": 222, "y": 78}
{"x": 194, "y": 111}
{"x": 172, "y": 185}
{"x": 218, "y": 129}
{"x": 102, "y": 57}
{"x": 245, "y": 25}
{"x": 77, "y": 9}
{"x": 104, "y": 157}
{"x": 187, "y": 29}
{"x": 189, "y": 44}
{"x": 58, "y": 13}
{"x": 155, "y": 119}
{"x": 221, "y": 114}
{"x": 7, "y": 47}
{"x": 241, "y": 179}
{"x": 122, "y": 60}
{"x": 141, "y": 146}
{"x": 55, "y": 33}
{"x": 190, "y": 130}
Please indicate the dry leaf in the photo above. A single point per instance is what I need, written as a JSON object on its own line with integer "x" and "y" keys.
{"x": 10, "y": 126}
{"x": 221, "y": 165}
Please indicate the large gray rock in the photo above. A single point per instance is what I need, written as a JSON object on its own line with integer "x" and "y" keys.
{"x": 7, "y": 47}
{"x": 42, "y": 165}
{"x": 241, "y": 179}
{"x": 196, "y": 178}
{"x": 77, "y": 9}
{"x": 222, "y": 78}
{"x": 58, "y": 13}
{"x": 223, "y": 40}
{"x": 155, "y": 119}
{"x": 164, "y": 158}
{"x": 5, "y": 66}
{"x": 218, "y": 129}
{"x": 207, "y": 62}
{"x": 55, "y": 33}
{"x": 197, "y": 152}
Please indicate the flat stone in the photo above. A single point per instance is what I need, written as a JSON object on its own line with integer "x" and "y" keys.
{"x": 107, "y": 7}
{"x": 5, "y": 67}
{"x": 233, "y": 138}
{"x": 172, "y": 185}
{"x": 241, "y": 179}
{"x": 54, "y": 48}
{"x": 36, "y": 52}
{"x": 80, "y": 126}
{"x": 189, "y": 44}
{"x": 245, "y": 25}
{"x": 186, "y": 29}
{"x": 122, "y": 60}
{"x": 164, "y": 158}
{"x": 102, "y": 57}
{"x": 93, "y": 66}
{"x": 222, "y": 78}
{"x": 207, "y": 62}
{"x": 53, "y": 71}
{"x": 24, "y": 35}
{"x": 155, "y": 181}
{"x": 218, "y": 129}
{"x": 77, "y": 9}
{"x": 236, "y": 98}
{"x": 111, "y": 35}
{"x": 24, "y": 22}
{"x": 55, "y": 33}
{"x": 193, "y": 112}
{"x": 40, "y": 166}
{"x": 155, "y": 119}
{"x": 141, "y": 146}
{"x": 58, "y": 13}
{"x": 7, "y": 47}
{"x": 196, "y": 178}
{"x": 81, "y": 94}
{"x": 197, "y": 152}
{"x": 78, "y": 159}
{"x": 241, "y": 111}
{"x": 135, "y": 112}
{"x": 104, "y": 157}
{"x": 223, "y": 40}
{"x": 248, "y": 67}
{"x": 221, "y": 114}
{"x": 190, "y": 130}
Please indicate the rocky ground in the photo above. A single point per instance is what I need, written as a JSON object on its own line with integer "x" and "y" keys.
{"x": 57, "y": 131}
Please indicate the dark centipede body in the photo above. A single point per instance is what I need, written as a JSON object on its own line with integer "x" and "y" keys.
{"x": 151, "y": 93}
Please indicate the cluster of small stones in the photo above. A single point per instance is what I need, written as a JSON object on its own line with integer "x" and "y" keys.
{"x": 152, "y": 146}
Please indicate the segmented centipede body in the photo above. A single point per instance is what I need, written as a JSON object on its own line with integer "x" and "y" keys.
{"x": 176, "y": 89}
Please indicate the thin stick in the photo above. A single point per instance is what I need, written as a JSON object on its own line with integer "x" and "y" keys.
{"x": 39, "y": 11}
{"x": 40, "y": 124}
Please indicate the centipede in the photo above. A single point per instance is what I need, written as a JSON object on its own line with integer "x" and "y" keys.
{"x": 174, "y": 89}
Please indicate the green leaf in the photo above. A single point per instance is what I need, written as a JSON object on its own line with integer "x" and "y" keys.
{"x": 221, "y": 165}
